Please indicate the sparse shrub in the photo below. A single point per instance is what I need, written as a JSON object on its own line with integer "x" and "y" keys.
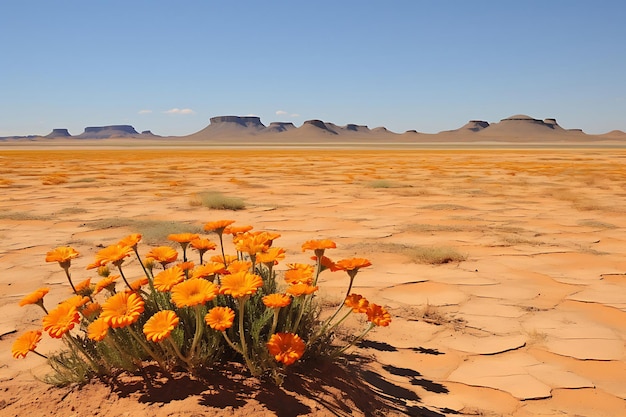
{"x": 217, "y": 201}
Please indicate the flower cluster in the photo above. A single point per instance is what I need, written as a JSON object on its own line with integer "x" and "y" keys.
{"x": 179, "y": 314}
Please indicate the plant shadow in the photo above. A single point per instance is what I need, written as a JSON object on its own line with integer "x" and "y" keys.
{"x": 339, "y": 387}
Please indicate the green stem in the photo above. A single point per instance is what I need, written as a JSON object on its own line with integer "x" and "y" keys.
{"x": 119, "y": 268}
{"x": 39, "y": 354}
{"x": 70, "y": 340}
{"x": 199, "y": 330}
{"x": 342, "y": 302}
{"x": 274, "y": 322}
{"x": 145, "y": 346}
{"x": 242, "y": 337}
{"x": 303, "y": 304}
{"x": 231, "y": 344}
{"x": 178, "y": 353}
{"x": 69, "y": 278}
{"x": 324, "y": 328}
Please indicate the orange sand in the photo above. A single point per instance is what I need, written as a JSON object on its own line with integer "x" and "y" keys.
{"x": 532, "y": 323}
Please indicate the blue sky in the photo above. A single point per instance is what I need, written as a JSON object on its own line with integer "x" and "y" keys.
{"x": 169, "y": 66}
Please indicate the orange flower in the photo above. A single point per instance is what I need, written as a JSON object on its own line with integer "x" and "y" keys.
{"x": 61, "y": 320}
{"x": 91, "y": 310}
{"x": 35, "y": 297}
{"x": 163, "y": 255}
{"x": 218, "y": 226}
{"x": 271, "y": 256}
{"x": 327, "y": 263}
{"x": 219, "y": 259}
{"x": 251, "y": 243}
{"x": 183, "y": 237}
{"x": 96, "y": 264}
{"x": 357, "y": 303}
{"x": 131, "y": 241}
{"x": 112, "y": 253}
{"x": 300, "y": 289}
{"x": 294, "y": 276}
{"x": 26, "y": 343}
{"x": 240, "y": 284}
{"x": 160, "y": 326}
{"x": 77, "y": 301}
{"x": 236, "y": 230}
{"x": 352, "y": 264}
{"x": 193, "y": 292}
{"x": 166, "y": 279}
{"x": 208, "y": 270}
{"x": 202, "y": 245}
{"x": 186, "y": 266}
{"x": 286, "y": 347}
{"x": 63, "y": 255}
{"x": 138, "y": 283}
{"x": 83, "y": 287}
{"x": 122, "y": 309}
{"x": 107, "y": 282}
{"x": 378, "y": 315}
{"x": 239, "y": 266}
{"x": 306, "y": 268}
{"x": 220, "y": 318}
{"x": 98, "y": 329}
{"x": 318, "y": 246}
{"x": 276, "y": 300}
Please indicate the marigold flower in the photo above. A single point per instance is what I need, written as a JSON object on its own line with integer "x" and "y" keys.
{"x": 193, "y": 292}
{"x": 83, "y": 287}
{"x": 220, "y": 318}
{"x": 91, "y": 310}
{"x": 202, "y": 244}
{"x": 251, "y": 243}
{"x": 300, "y": 289}
{"x": 219, "y": 259}
{"x": 294, "y": 276}
{"x": 378, "y": 315}
{"x": 271, "y": 256}
{"x": 63, "y": 255}
{"x": 98, "y": 329}
{"x": 26, "y": 343}
{"x": 166, "y": 279}
{"x": 186, "y": 266}
{"x": 239, "y": 266}
{"x": 240, "y": 284}
{"x": 77, "y": 301}
{"x": 327, "y": 263}
{"x": 286, "y": 347}
{"x": 352, "y": 264}
{"x": 306, "y": 268}
{"x": 276, "y": 300}
{"x": 138, "y": 283}
{"x": 237, "y": 230}
{"x": 182, "y": 237}
{"x": 107, "y": 282}
{"x": 163, "y": 255}
{"x": 61, "y": 320}
{"x": 217, "y": 226}
{"x": 208, "y": 270}
{"x": 96, "y": 264}
{"x": 114, "y": 254}
{"x": 131, "y": 241}
{"x": 160, "y": 325}
{"x": 318, "y": 246}
{"x": 122, "y": 309}
{"x": 357, "y": 303}
{"x": 35, "y": 297}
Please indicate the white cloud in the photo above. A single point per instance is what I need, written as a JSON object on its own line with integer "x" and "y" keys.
{"x": 295, "y": 115}
{"x": 145, "y": 111}
{"x": 281, "y": 112}
{"x": 179, "y": 111}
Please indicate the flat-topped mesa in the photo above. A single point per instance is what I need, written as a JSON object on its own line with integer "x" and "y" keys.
{"x": 113, "y": 131}
{"x": 277, "y": 127}
{"x": 318, "y": 124}
{"x": 58, "y": 133}
{"x": 476, "y": 125}
{"x": 357, "y": 128}
{"x": 244, "y": 121}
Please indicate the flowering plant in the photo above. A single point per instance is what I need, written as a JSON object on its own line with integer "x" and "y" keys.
{"x": 179, "y": 314}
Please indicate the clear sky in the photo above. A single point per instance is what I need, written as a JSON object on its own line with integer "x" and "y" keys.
{"x": 169, "y": 66}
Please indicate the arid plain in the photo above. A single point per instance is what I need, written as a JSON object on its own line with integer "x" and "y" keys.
{"x": 504, "y": 270}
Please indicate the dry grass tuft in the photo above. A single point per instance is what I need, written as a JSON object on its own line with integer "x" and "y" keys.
{"x": 217, "y": 201}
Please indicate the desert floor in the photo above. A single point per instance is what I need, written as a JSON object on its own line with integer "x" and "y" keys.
{"x": 504, "y": 272}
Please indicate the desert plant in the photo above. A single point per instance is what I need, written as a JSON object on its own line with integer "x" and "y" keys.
{"x": 182, "y": 315}
{"x": 217, "y": 201}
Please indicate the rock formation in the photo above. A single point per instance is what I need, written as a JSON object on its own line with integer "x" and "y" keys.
{"x": 58, "y": 133}
{"x": 277, "y": 127}
{"x": 113, "y": 131}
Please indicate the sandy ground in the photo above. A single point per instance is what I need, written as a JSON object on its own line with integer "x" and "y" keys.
{"x": 531, "y": 323}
